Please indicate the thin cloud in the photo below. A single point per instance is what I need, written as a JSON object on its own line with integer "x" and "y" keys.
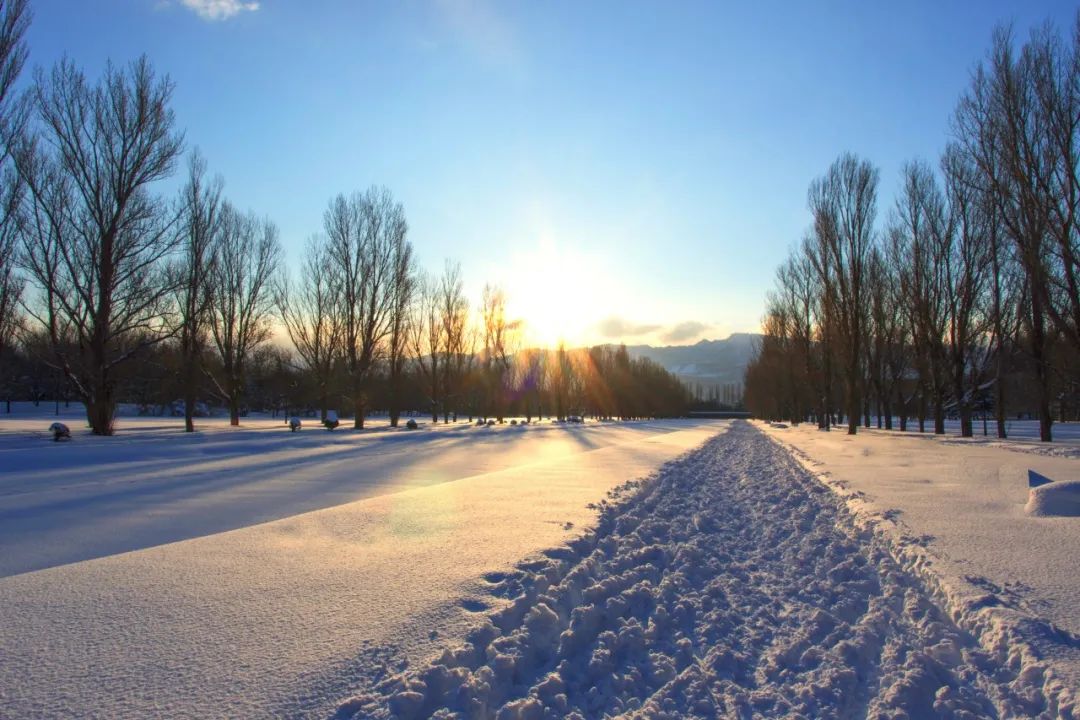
{"x": 480, "y": 27}
{"x": 685, "y": 331}
{"x": 219, "y": 9}
{"x": 617, "y": 327}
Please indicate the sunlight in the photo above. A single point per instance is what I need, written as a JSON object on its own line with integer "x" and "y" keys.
{"x": 559, "y": 292}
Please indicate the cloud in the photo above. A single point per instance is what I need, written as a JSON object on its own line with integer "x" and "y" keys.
{"x": 685, "y": 331}
{"x": 617, "y": 327}
{"x": 219, "y": 9}
{"x": 481, "y": 28}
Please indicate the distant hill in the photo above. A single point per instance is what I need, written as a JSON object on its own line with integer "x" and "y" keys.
{"x": 709, "y": 362}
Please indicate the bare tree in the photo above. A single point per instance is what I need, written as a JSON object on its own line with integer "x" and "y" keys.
{"x": 844, "y": 205}
{"x": 242, "y": 298}
{"x": 403, "y": 294}
{"x": 427, "y": 338}
{"x": 201, "y": 225}
{"x": 532, "y": 371}
{"x": 879, "y": 329}
{"x": 916, "y": 227}
{"x": 362, "y": 229}
{"x": 310, "y": 313}
{"x": 11, "y": 284}
{"x": 1005, "y": 303}
{"x": 14, "y": 21}
{"x": 96, "y": 238}
{"x": 500, "y": 339}
{"x": 998, "y": 123}
{"x": 458, "y": 353}
{"x": 965, "y": 269}
{"x": 1053, "y": 68}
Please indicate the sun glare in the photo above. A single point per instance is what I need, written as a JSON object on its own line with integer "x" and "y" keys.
{"x": 559, "y": 293}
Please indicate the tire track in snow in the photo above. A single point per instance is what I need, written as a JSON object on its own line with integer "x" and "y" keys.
{"x": 732, "y": 583}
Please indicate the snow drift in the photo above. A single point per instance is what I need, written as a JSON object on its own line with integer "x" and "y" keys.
{"x": 1055, "y": 498}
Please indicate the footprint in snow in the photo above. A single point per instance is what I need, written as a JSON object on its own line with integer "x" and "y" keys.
{"x": 474, "y": 606}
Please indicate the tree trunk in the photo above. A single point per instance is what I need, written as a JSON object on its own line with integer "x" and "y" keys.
{"x": 395, "y": 409}
{"x": 966, "y": 428}
{"x": 1042, "y": 371}
{"x": 358, "y": 412}
{"x": 853, "y": 406}
{"x": 922, "y": 411}
{"x": 966, "y": 425}
{"x": 189, "y": 396}
{"x": 100, "y": 411}
{"x": 999, "y": 407}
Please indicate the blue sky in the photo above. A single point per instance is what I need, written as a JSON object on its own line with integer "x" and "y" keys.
{"x": 625, "y": 170}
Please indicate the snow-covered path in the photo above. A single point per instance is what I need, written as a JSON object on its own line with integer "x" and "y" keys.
{"x": 284, "y": 618}
{"x": 733, "y": 585}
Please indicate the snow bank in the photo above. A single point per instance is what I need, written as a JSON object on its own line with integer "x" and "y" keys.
{"x": 955, "y": 519}
{"x": 730, "y": 584}
{"x": 1055, "y": 499}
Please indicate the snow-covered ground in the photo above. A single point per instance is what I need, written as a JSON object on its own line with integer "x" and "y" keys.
{"x": 152, "y": 483}
{"x": 734, "y": 584}
{"x": 736, "y": 569}
{"x": 1023, "y": 436}
{"x": 1002, "y": 556}
{"x": 235, "y": 619}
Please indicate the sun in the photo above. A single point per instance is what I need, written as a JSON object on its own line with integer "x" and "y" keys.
{"x": 558, "y": 292}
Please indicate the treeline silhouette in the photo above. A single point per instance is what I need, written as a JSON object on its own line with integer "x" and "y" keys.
{"x": 967, "y": 300}
{"x": 111, "y": 292}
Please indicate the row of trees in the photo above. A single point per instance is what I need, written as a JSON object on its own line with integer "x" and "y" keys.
{"x": 127, "y": 293}
{"x": 970, "y": 291}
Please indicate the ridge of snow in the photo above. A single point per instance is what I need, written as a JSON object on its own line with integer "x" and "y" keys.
{"x": 1003, "y": 629}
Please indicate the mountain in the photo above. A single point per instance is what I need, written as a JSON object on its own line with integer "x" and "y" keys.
{"x": 709, "y": 362}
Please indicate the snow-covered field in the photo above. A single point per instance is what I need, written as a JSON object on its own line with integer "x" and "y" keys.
{"x": 285, "y": 618}
{"x": 655, "y": 569}
{"x": 152, "y": 483}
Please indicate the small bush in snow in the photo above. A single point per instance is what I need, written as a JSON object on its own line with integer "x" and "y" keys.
{"x": 59, "y": 430}
{"x": 411, "y": 425}
{"x": 294, "y": 424}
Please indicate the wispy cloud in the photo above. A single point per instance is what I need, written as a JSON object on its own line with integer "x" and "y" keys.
{"x": 480, "y": 26}
{"x": 617, "y": 327}
{"x": 685, "y": 331}
{"x": 219, "y": 9}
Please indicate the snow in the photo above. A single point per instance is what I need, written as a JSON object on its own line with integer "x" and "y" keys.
{"x": 1050, "y": 499}
{"x": 662, "y": 569}
{"x": 956, "y": 513}
{"x": 732, "y": 584}
{"x": 142, "y": 579}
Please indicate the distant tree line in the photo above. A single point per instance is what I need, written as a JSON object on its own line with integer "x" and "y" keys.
{"x": 110, "y": 291}
{"x": 968, "y": 298}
